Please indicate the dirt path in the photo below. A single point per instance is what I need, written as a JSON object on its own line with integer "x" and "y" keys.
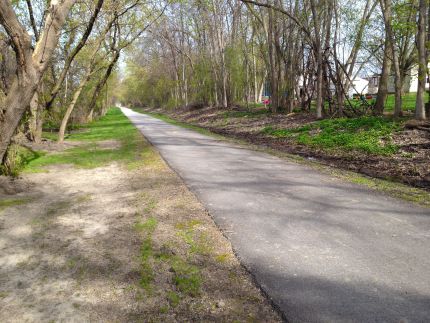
{"x": 75, "y": 247}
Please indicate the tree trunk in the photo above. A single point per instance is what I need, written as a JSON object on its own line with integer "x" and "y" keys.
{"x": 272, "y": 60}
{"x": 31, "y": 64}
{"x": 319, "y": 82}
{"x": 31, "y": 123}
{"x": 75, "y": 98}
{"x": 386, "y": 11}
{"x": 66, "y": 117}
{"x": 398, "y": 112}
{"x": 383, "y": 81}
{"x": 318, "y": 57}
{"x": 254, "y": 72}
{"x": 15, "y": 110}
{"x": 224, "y": 80}
{"x": 420, "y": 111}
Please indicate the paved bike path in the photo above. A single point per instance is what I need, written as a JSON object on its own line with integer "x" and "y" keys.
{"x": 323, "y": 250}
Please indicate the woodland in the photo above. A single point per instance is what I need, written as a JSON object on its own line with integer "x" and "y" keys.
{"x": 64, "y": 63}
{"x": 301, "y": 193}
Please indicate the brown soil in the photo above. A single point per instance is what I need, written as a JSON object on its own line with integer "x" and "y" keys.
{"x": 410, "y": 165}
{"x": 71, "y": 251}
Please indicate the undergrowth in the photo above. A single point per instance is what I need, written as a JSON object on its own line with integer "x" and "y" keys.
{"x": 366, "y": 134}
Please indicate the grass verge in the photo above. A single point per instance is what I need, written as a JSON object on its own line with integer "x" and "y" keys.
{"x": 114, "y": 127}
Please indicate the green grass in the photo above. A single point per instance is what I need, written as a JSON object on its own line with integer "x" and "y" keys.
{"x": 148, "y": 227}
{"x": 146, "y": 252}
{"x": 50, "y": 135}
{"x": 198, "y": 242}
{"x": 11, "y": 202}
{"x": 365, "y": 134}
{"x": 173, "y": 298}
{"x": 113, "y": 126}
{"x": 187, "y": 277}
{"x": 408, "y": 102}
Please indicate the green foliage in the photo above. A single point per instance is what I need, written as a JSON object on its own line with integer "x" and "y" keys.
{"x": 236, "y": 68}
{"x": 154, "y": 84}
{"x": 148, "y": 86}
{"x": 202, "y": 82}
{"x": 366, "y": 134}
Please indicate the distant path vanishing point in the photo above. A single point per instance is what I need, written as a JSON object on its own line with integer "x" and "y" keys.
{"x": 323, "y": 250}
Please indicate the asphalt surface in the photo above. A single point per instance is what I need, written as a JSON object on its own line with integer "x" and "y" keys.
{"x": 323, "y": 250}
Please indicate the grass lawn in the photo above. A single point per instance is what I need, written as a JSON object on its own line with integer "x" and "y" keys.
{"x": 114, "y": 127}
{"x": 408, "y": 102}
{"x": 366, "y": 134}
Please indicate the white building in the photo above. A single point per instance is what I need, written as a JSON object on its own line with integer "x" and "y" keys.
{"x": 410, "y": 84}
{"x": 358, "y": 86}
{"x": 412, "y": 80}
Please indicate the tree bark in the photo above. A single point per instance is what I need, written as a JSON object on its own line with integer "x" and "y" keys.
{"x": 70, "y": 108}
{"x": 272, "y": 60}
{"x": 386, "y": 11}
{"x": 318, "y": 58}
{"x": 420, "y": 111}
{"x": 383, "y": 81}
{"x": 31, "y": 65}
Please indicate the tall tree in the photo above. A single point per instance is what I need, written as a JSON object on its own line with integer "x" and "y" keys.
{"x": 32, "y": 62}
{"x": 420, "y": 111}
